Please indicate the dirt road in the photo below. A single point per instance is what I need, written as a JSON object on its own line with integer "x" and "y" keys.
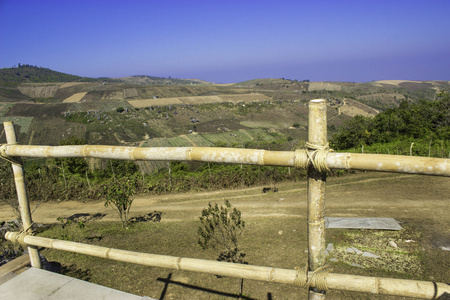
{"x": 361, "y": 195}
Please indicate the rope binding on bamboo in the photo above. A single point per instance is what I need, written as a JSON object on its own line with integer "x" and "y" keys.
{"x": 318, "y": 279}
{"x": 18, "y": 237}
{"x": 314, "y": 155}
{"x": 6, "y": 157}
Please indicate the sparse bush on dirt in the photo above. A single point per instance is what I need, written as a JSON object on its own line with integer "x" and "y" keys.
{"x": 221, "y": 228}
{"x": 119, "y": 197}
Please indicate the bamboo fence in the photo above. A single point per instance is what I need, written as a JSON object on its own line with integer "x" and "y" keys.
{"x": 334, "y": 160}
{"x": 317, "y": 159}
{"x": 374, "y": 285}
{"x": 317, "y": 136}
{"x": 24, "y": 205}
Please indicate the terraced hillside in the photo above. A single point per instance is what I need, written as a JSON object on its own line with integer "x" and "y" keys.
{"x": 238, "y": 139}
{"x": 140, "y": 110}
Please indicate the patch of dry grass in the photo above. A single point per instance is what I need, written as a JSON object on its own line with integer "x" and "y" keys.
{"x": 262, "y": 242}
{"x": 277, "y": 242}
{"x": 397, "y": 251}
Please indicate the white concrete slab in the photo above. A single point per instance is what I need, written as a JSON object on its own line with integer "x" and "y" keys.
{"x": 362, "y": 223}
{"x": 40, "y": 284}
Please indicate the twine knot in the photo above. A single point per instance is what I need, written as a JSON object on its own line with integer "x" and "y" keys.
{"x": 18, "y": 237}
{"x": 318, "y": 278}
{"x": 315, "y": 155}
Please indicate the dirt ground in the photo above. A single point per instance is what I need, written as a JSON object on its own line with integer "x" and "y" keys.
{"x": 419, "y": 203}
{"x": 359, "y": 195}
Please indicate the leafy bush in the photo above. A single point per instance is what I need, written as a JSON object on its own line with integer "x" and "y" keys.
{"x": 118, "y": 196}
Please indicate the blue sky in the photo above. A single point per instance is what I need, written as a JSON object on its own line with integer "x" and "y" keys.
{"x": 231, "y": 41}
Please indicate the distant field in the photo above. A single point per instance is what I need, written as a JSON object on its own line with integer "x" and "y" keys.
{"x": 239, "y": 137}
{"x": 97, "y": 106}
{"x": 229, "y": 139}
{"x": 353, "y": 108}
{"x": 4, "y": 107}
{"x": 394, "y": 82}
{"x": 23, "y": 122}
{"x": 39, "y": 91}
{"x": 70, "y": 84}
{"x": 318, "y": 86}
{"x": 253, "y": 97}
{"x": 75, "y": 98}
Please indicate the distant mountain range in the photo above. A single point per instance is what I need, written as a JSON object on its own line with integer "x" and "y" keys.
{"x": 37, "y": 84}
{"x": 35, "y": 74}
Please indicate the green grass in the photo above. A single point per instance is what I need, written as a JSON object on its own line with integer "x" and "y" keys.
{"x": 4, "y": 107}
{"x": 23, "y": 122}
{"x": 104, "y": 106}
{"x": 179, "y": 142}
{"x": 228, "y": 139}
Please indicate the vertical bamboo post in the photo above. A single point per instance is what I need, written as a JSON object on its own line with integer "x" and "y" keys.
{"x": 317, "y": 135}
{"x": 24, "y": 206}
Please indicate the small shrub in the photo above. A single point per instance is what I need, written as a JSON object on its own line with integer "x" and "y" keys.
{"x": 118, "y": 196}
{"x": 221, "y": 227}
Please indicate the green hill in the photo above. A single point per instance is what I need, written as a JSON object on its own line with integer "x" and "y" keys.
{"x": 29, "y": 73}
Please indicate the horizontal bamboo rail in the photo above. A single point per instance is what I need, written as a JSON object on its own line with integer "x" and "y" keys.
{"x": 354, "y": 161}
{"x": 374, "y": 285}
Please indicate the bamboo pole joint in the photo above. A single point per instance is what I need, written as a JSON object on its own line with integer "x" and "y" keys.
{"x": 6, "y": 157}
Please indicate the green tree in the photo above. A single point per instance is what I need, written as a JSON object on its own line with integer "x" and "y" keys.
{"x": 355, "y": 132}
{"x": 426, "y": 120}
